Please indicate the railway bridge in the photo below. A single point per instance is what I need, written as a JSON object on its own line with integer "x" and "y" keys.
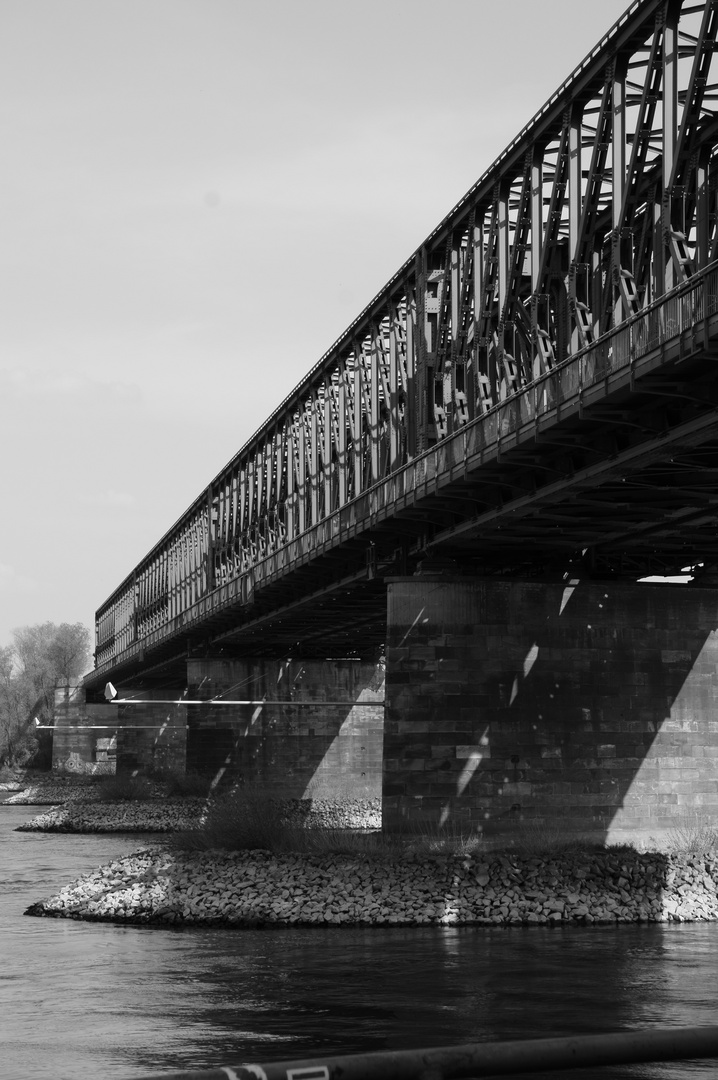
{"x": 421, "y": 577}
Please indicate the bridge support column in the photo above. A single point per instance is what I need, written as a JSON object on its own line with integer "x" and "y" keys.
{"x": 312, "y": 729}
{"x": 152, "y": 736}
{"x": 99, "y": 739}
{"x": 84, "y": 736}
{"x": 582, "y": 707}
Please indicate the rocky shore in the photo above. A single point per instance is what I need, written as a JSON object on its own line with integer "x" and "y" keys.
{"x": 165, "y": 886}
{"x": 164, "y": 815}
{"x": 255, "y": 888}
{"x": 78, "y": 805}
{"x": 51, "y": 790}
{"x": 160, "y": 816}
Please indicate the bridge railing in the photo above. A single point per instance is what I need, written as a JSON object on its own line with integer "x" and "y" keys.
{"x": 255, "y": 513}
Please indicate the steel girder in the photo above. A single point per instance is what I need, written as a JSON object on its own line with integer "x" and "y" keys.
{"x": 604, "y": 202}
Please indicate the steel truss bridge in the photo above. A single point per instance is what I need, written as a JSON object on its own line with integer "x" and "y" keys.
{"x": 534, "y": 389}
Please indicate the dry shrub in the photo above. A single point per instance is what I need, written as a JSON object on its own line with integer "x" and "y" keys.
{"x": 692, "y": 835}
{"x": 182, "y": 784}
{"x": 350, "y": 843}
{"x": 453, "y": 838}
{"x": 243, "y": 819}
{"x": 124, "y": 787}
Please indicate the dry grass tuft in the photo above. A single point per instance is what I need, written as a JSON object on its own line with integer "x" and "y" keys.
{"x": 693, "y": 836}
{"x": 123, "y": 788}
{"x": 242, "y": 819}
{"x": 539, "y": 840}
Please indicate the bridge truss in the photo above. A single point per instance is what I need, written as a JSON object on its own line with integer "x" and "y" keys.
{"x": 557, "y": 321}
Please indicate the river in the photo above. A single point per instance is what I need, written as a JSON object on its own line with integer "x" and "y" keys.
{"x": 84, "y": 1000}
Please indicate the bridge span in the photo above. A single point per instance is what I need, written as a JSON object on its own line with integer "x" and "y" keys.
{"x": 527, "y": 411}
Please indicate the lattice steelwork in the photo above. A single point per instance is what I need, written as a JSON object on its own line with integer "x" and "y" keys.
{"x": 605, "y": 202}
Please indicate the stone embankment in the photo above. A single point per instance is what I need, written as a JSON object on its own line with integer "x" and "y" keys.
{"x": 177, "y": 815}
{"x": 61, "y": 789}
{"x": 76, "y": 807}
{"x": 236, "y": 889}
{"x": 334, "y": 813}
{"x": 159, "y": 815}
{"x": 67, "y": 791}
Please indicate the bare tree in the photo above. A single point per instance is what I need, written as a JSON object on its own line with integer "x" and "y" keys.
{"x": 14, "y": 709}
{"x": 38, "y": 659}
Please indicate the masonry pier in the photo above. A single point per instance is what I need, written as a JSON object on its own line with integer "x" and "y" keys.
{"x": 582, "y": 705}
{"x": 311, "y": 729}
{"x": 579, "y": 705}
{"x": 300, "y": 729}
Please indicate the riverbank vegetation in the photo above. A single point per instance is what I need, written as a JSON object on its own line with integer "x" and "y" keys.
{"x": 37, "y": 660}
{"x": 127, "y": 787}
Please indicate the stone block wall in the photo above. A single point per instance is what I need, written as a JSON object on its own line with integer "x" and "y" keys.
{"x": 151, "y": 736}
{"x": 296, "y": 742}
{"x": 96, "y": 739}
{"x": 580, "y": 706}
{"x": 84, "y": 736}
{"x": 315, "y": 733}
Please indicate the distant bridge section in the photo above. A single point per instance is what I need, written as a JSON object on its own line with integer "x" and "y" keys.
{"x": 535, "y": 385}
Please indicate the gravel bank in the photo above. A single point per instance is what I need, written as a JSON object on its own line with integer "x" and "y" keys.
{"x": 84, "y": 813}
{"x": 62, "y": 789}
{"x": 257, "y": 889}
{"x": 156, "y": 815}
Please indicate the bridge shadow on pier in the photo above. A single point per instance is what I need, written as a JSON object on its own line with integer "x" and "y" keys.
{"x": 580, "y": 707}
{"x": 313, "y": 730}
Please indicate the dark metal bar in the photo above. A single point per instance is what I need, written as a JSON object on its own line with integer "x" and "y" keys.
{"x": 481, "y": 1060}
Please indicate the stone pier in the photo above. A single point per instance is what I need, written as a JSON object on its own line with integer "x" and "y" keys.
{"x": 580, "y": 706}
{"x": 104, "y": 738}
{"x": 298, "y": 729}
{"x": 84, "y": 739}
{"x": 313, "y": 729}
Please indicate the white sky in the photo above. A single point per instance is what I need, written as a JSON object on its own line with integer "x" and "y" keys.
{"x": 197, "y": 197}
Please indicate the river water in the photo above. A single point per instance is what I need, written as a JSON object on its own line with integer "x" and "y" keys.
{"x": 84, "y": 1000}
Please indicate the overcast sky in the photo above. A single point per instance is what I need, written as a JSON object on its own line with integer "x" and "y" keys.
{"x": 198, "y": 196}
